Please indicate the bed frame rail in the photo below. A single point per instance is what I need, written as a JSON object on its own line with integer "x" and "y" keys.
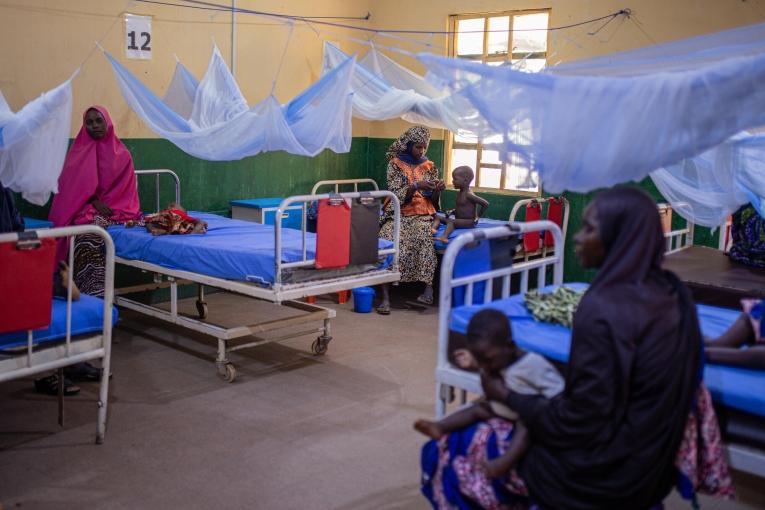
{"x": 336, "y": 183}
{"x": 449, "y": 377}
{"x": 304, "y": 201}
{"x": 37, "y": 359}
{"x": 280, "y": 293}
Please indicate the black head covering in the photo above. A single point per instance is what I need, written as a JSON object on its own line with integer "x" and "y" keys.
{"x": 610, "y": 440}
{"x": 632, "y": 236}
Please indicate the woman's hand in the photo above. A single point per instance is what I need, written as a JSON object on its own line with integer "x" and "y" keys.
{"x": 494, "y": 386}
{"x": 440, "y": 185}
{"x": 425, "y": 185}
{"x": 102, "y": 208}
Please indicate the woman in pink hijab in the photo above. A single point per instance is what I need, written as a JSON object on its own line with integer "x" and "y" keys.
{"x": 97, "y": 185}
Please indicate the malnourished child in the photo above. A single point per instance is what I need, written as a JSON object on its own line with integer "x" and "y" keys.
{"x": 491, "y": 349}
{"x": 466, "y": 213}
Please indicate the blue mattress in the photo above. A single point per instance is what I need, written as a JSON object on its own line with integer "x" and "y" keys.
{"x": 739, "y": 388}
{"x": 231, "y": 249}
{"x": 87, "y": 317}
{"x": 482, "y": 223}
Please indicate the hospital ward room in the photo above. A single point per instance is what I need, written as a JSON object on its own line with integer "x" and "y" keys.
{"x": 382, "y": 254}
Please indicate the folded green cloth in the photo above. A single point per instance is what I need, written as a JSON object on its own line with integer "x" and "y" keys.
{"x": 557, "y": 307}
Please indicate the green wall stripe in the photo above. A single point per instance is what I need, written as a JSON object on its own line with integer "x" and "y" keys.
{"x": 210, "y": 186}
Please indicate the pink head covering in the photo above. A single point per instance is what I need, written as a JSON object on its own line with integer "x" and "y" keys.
{"x": 95, "y": 168}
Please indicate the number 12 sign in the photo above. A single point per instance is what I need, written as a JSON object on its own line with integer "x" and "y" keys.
{"x": 138, "y": 42}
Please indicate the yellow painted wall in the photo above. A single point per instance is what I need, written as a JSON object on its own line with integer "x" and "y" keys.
{"x": 43, "y": 41}
{"x": 655, "y": 21}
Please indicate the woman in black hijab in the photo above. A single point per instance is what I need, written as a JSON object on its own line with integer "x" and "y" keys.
{"x": 610, "y": 440}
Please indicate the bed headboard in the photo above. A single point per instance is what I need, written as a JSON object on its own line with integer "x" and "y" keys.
{"x": 344, "y": 182}
{"x": 544, "y": 201}
{"x": 157, "y": 173}
{"x": 303, "y": 201}
{"x": 678, "y": 239}
{"x": 523, "y": 269}
{"x": 446, "y": 374}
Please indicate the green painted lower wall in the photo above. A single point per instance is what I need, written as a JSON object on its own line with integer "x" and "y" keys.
{"x": 501, "y": 204}
{"x": 210, "y": 186}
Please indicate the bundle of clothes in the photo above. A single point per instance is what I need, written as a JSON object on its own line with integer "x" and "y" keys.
{"x": 174, "y": 220}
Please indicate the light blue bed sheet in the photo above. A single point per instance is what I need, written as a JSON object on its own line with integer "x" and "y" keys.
{"x": 739, "y": 388}
{"x": 87, "y": 317}
{"x": 231, "y": 249}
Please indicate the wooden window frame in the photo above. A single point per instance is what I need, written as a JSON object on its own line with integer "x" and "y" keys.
{"x": 450, "y": 142}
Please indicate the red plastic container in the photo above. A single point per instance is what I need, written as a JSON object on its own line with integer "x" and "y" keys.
{"x": 26, "y": 285}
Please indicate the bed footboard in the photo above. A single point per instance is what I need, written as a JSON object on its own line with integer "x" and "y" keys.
{"x": 58, "y": 352}
{"x": 449, "y": 377}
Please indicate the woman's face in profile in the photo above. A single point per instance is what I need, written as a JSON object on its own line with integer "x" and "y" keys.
{"x": 588, "y": 246}
{"x": 95, "y": 124}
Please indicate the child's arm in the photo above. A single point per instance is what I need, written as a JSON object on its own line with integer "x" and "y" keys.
{"x": 519, "y": 444}
{"x": 753, "y": 357}
{"x": 479, "y": 202}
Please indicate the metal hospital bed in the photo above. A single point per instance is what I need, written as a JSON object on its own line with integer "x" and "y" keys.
{"x": 735, "y": 390}
{"x": 448, "y": 376}
{"x": 522, "y": 253}
{"x": 286, "y": 253}
{"x": 79, "y": 330}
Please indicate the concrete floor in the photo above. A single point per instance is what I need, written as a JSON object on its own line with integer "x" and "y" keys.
{"x": 294, "y": 430}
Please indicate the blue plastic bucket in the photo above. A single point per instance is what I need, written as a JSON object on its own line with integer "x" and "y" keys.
{"x": 362, "y": 299}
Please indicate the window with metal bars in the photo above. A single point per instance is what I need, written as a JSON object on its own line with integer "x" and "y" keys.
{"x": 516, "y": 38}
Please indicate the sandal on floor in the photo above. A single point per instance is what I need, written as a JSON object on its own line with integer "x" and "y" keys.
{"x": 49, "y": 386}
{"x": 83, "y": 372}
{"x": 424, "y": 300}
{"x": 383, "y": 309}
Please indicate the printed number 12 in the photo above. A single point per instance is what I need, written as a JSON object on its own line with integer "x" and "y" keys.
{"x": 145, "y": 46}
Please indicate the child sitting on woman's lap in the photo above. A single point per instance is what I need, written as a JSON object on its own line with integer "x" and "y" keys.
{"x": 490, "y": 349}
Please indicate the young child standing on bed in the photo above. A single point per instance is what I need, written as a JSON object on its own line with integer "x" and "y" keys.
{"x": 490, "y": 349}
{"x": 466, "y": 213}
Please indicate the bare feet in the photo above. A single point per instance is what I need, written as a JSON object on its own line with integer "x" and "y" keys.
{"x": 434, "y": 231}
{"x": 200, "y": 227}
{"x": 63, "y": 269}
{"x": 429, "y": 428}
{"x": 443, "y": 240}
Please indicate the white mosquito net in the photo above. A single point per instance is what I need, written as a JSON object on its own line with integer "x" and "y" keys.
{"x": 211, "y": 119}
{"x": 384, "y": 89}
{"x": 33, "y": 143}
{"x": 614, "y": 119}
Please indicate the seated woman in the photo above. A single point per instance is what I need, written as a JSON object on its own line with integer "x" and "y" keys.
{"x": 96, "y": 186}
{"x": 414, "y": 179}
{"x": 748, "y": 332}
{"x": 615, "y": 436}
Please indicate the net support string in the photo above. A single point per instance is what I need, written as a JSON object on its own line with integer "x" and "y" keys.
{"x": 281, "y": 60}
{"x": 290, "y": 17}
{"x": 101, "y": 39}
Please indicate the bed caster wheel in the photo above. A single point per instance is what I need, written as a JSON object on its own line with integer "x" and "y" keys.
{"x": 202, "y": 309}
{"x": 320, "y": 345}
{"x": 227, "y": 372}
